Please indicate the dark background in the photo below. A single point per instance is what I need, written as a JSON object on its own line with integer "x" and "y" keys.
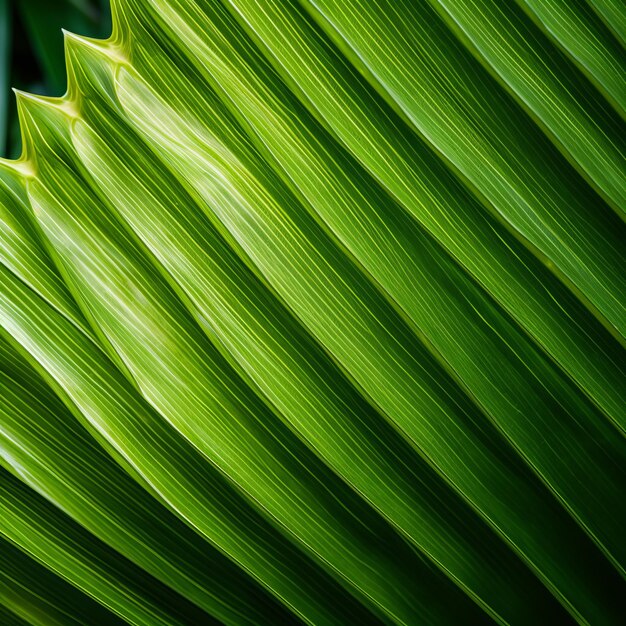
{"x": 31, "y": 52}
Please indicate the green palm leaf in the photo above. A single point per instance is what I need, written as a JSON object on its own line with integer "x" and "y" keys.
{"x": 314, "y": 312}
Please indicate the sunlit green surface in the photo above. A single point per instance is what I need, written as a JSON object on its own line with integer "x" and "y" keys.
{"x": 315, "y": 313}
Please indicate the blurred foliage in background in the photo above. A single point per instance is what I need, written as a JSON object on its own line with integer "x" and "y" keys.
{"x": 31, "y": 51}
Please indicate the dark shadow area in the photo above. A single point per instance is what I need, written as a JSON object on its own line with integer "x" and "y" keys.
{"x": 32, "y": 55}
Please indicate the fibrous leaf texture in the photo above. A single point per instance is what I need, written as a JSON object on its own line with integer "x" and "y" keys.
{"x": 314, "y": 312}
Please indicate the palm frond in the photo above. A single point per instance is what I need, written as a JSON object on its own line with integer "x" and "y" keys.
{"x": 315, "y": 312}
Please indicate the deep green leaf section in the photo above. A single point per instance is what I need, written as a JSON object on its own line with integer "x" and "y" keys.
{"x": 586, "y": 39}
{"x": 488, "y": 138}
{"x": 314, "y": 312}
{"x": 31, "y": 594}
{"x": 46, "y": 447}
